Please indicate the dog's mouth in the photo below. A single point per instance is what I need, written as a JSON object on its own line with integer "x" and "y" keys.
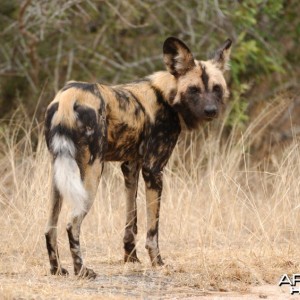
{"x": 209, "y": 119}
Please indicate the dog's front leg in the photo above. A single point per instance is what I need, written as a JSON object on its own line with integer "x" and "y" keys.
{"x": 153, "y": 181}
{"x": 130, "y": 171}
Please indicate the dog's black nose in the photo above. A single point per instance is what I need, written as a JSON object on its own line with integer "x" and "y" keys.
{"x": 210, "y": 111}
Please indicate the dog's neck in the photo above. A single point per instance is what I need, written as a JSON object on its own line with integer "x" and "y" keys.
{"x": 165, "y": 83}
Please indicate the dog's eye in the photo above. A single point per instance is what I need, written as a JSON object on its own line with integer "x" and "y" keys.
{"x": 194, "y": 90}
{"x": 217, "y": 89}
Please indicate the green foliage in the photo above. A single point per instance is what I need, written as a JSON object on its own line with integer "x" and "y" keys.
{"x": 239, "y": 104}
{"x": 257, "y": 52}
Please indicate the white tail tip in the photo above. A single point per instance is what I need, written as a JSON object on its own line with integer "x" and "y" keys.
{"x": 67, "y": 174}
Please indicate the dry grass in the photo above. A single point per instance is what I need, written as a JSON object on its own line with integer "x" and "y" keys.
{"x": 226, "y": 224}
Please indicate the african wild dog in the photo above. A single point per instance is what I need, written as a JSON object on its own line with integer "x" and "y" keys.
{"x": 137, "y": 124}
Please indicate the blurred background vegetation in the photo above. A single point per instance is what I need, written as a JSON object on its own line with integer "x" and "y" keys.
{"x": 46, "y": 43}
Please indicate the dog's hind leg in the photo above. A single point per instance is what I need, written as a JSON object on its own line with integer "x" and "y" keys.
{"x": 130, "y": 171}
{"x": 91, "y": 179}
{"x": 51, "y": 233}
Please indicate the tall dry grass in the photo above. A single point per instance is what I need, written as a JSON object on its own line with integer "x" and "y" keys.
{"x": 227, "y": 221}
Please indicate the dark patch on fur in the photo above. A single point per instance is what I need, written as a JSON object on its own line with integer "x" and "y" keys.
{"x": 48, "y": 119}
{"x": 159, "y": 96}
{"x": 130, "y": 253}
{"x": 138, "y": 107}
{"x": 87, "y": 87}
{"x": 218, "y": 91}
{"x": 126, "y": 150}
{"x": 89, "y": 122}
{"x": 227, "y": 44}
{"x": 172, "y": 96}
{"x": 194, "y": 90}
{"x": 125, "y": 97}
{"x": 130, "y": 174}
{"x": 125, "y": 168}
{"x": 152, "y": 179}
{"x": 190, "y": 120}
{"x": 74, "y": 245}
{"x": 102, "y": 125}
{"x": 204, "y": 77}
{"x": 219, "y": 54}
{"x": 51, "y": 252}
{"x": 122, "y": 97}
{"x": 170, "y": 46}
{"x": 152, "y": 232}
{"x": 120, "y": 129}
{"x": 129, "y": 248}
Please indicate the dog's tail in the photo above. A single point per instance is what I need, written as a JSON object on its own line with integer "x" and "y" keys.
{"x": 66, "y": 173}
{"x": 62, "y": 134}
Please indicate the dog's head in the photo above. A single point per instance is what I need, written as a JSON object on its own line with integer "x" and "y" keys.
{"x": 201, "y": 86}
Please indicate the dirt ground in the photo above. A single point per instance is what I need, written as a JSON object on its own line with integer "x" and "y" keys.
{"x": 148, "y": 285}
{"x": 116, "y": 280}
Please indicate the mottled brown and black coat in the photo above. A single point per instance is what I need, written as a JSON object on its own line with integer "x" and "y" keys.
{"x": 137, "y": 124}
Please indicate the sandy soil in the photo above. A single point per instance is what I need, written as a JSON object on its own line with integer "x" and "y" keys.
{"x": 125, "y": 282}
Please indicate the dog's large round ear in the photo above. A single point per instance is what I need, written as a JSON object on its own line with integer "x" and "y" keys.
{"x": 222, "y": 56}
{"x": 177, "y": 57}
